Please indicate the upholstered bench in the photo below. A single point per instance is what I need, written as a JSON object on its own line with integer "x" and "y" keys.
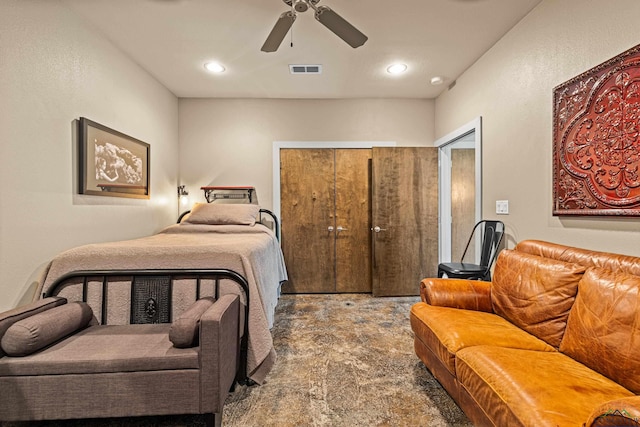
{"x": 57, "y": 362}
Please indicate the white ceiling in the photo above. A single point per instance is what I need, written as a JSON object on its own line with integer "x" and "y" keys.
{"x": 172, "y": 39}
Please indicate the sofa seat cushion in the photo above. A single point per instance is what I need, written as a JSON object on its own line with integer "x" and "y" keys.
{"x": 447, "y": 330}
{"x": 518, "y": 387}
{"x": 103, "y": 349}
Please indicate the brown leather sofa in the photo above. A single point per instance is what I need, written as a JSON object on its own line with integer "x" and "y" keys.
{"x": 553, "y": 340}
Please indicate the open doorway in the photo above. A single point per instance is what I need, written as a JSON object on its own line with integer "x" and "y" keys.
{"x": 460, "y": 195}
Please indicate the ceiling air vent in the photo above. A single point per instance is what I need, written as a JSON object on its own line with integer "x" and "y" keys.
{"x": 305, "y": 69}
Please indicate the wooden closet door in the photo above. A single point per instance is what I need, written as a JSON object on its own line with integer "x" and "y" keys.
{"x": 353, "y": 214}
{"x": 405, "y": 210}
{"x": 307, "y": 201}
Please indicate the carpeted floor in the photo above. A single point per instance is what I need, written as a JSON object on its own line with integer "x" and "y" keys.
{"x": 343, "y": 360}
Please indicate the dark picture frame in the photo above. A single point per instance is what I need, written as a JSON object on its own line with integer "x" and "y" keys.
{"x": 111, "y": 163}
{"x": 596, "y": 140}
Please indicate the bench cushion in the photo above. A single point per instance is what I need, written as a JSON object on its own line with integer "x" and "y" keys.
{"x": 533, "y": 388}
{"x": 447, "y": 330}
{"x": 106, "y": 348}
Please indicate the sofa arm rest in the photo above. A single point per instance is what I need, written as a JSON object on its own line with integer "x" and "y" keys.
{"x": 219, "y": 352}
{"x": 618, "y": 412}
{"x": 457, "y": 293}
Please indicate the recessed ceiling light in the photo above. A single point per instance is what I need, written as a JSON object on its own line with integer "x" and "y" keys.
{"x": 396, "y": 68}
{"x": 437, "y": 80}
{"x": 214, "y": 67}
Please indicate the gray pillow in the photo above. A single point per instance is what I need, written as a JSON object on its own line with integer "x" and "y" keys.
{"x": 185, "y": 329}
{"x": 223, "y": 214}
{"x": 35, "y": 332}
{"x": 10, "y": 317}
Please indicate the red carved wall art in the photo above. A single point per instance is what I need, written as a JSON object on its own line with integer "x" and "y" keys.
{"x": 596, "y": 140}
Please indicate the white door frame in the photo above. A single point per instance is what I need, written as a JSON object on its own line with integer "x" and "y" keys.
{"x": 277, "y": 145}
{"x": 444, "y": 182}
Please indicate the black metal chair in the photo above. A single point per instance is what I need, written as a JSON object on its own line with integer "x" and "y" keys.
{"x": 491, "y": 233}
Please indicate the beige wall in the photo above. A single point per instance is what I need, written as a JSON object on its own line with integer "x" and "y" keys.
{"x": 229, "y": 141}
{"x": 511, "y": 88}
{"x": 54, "y": 69}
{"x": 60, "y": 69}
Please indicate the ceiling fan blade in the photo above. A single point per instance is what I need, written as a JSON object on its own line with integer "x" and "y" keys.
{"x": 279, "y": 31}
{"x": 340, "y": 27}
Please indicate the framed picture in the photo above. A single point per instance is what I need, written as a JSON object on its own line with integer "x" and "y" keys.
{"x": 112, "y": 163}
{"x": 596, "y": 140}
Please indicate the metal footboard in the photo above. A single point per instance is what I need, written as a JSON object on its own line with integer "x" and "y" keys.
{"x": 152, "y": 291}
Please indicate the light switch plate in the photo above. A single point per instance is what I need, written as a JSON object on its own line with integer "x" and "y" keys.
{"x": 502, "y": 207}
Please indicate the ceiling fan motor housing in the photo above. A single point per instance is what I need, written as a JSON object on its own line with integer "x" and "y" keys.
{"x": 301, "y": 5}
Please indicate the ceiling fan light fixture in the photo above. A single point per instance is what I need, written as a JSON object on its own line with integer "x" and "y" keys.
{"x": 397, "y": 68}
{"x": 215, "y": 67}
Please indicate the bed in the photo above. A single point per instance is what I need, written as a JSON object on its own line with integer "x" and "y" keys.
{"x": 220, "y": 236}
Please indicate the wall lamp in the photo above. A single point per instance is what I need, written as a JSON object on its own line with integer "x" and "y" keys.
{"x": 183, "y": 195}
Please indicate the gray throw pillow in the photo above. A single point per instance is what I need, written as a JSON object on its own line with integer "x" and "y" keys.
{"x": 10, "y": 317}
{"x": 185, "y": 329}
{"x": 35, "y": 332}
{"x": 223, "y": 214}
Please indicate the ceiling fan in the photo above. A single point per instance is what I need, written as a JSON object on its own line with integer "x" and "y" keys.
{"x": 324, "y": 14}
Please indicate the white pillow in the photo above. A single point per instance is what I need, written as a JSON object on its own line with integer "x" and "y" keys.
{"x": 223, "y": 214}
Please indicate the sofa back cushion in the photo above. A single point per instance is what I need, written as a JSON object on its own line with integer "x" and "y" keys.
{"x": 535, "y": 293}
{"x": 606, "y": 260}
{"x": 542, "y": 248}
{"x": 603, "y": 330}
{"x": 10, "y": 317}
{"x": 586, "y": 257}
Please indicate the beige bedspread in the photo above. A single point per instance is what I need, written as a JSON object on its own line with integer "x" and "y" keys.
{"x": 252, "y": 251}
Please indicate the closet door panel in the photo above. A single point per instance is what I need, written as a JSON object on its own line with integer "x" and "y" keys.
{"x": 353, "y": 214}
{"x": 405, "y": 208}
{"x": 307, "y": 202}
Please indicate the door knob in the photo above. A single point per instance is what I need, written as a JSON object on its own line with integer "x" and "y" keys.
{"x": 341, "y": 229}
{"x": 330, "y": 229}
{"x": 378, "y": 229}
